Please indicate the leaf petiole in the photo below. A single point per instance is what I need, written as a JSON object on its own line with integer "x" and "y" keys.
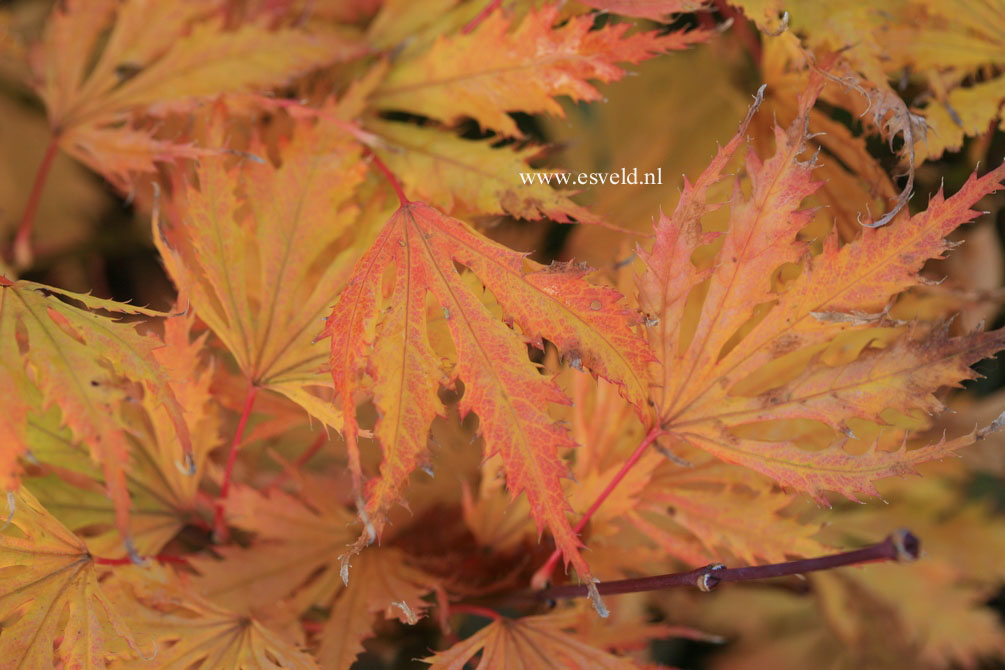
{"x": 544, "y": 572}
{"x": 21, "y": 251}
{"x": 220, "y": 532}
{"x": 386, "y": 171}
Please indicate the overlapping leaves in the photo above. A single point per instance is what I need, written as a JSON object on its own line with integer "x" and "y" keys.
{"x": 259, "y": 249}
{"x": 531, "y": 642}
{"x": 51, "y": 592}
{"x": 497, "y": 68}
{"x": 164, "y": 496}
{"x": 744, "y": 349}
{"x": 93, "y": 87}
{"x": 55, "y": 354}
{"x": 766, "y": 340}
{"x": 389, "y": 341}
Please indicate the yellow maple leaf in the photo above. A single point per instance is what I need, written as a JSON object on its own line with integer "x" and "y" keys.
{"x": 490, "y": 71}
{"x": 78, "y": 360}
{"x": 467, "y": 178}
{"x": 530, "y": 643}
{"x": 261, "y": 251}
{"x": 92, "y": 86}
{"x": 55, "y": 612}
{"x": 164, "y": 496}
{"x": 293, "y": 554}
{"x": 193, "y": 633}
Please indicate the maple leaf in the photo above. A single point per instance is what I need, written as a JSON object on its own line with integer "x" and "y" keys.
{"x": 729, "y": 510}
{"x": 461, "y": 177}
{"x": 258, "y": 249}
{"x": 92, "y": 86}
{"x": 466, "y": 178}
{"x": 192, "y": 632}
{"x": 950, "y": 623}
{"x": 694, "y": 511}
{"x": 491, "y": 71}
{"x": 190, "y": 377}
{"x": 163, "y": 495}
{"x": 383, "y": 581}
{"x": 507, "y": 392}
{"x": 951, "y": 43}
{"x": 77, "y": 359}
{"x": 853, "y": 181}
{"x": 530, "y": 643}
{"x": 792, "y": 351}
{"x": 292, "y": 554}
{"x": 751, "y": 352}
{"x": 291, "y": 561}
{"x": 948, "y": 44}
{"x": 54, "y": 609}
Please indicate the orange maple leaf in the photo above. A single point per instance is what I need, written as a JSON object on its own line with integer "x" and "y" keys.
{"x": 492, "y": 70}
{"x": 54, "y": 609}
{"x": 292, "y": 555}
{"x": 740, "y": 350}
{"x": 509, "y": 394}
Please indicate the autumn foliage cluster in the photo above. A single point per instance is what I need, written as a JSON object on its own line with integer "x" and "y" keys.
{"x": 376, "y": 400}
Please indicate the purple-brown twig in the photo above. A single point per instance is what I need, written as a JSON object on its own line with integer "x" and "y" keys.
{"x": 901, "y": 546}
